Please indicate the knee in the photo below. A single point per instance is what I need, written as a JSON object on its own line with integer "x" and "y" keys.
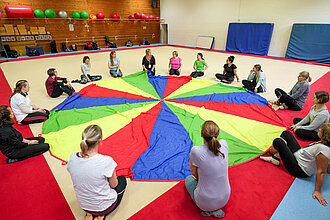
{"x": 45, "y": 147}
{"x": 277, "y": 142}
{"x": 286, "y": 134}
{"x": 122, "y": 180}
{"x": 41, "y": 140}
{"x": 188, "y": 180}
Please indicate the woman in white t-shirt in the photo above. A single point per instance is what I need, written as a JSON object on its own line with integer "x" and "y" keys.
{"x": 24, "y": 111}
{"x": 114, "y": 65}
{"x": 304, "y": 162}
{"x": 98, "y": 190}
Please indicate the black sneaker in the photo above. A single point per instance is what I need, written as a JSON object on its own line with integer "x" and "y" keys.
{"x": 75, "y": 81}
{"x": 9, "y": 161}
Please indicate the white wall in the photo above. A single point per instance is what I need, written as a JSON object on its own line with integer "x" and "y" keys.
{"x": 189, "y": 18}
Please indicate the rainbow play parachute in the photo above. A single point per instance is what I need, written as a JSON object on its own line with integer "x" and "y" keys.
{"x": 150, "y": 123}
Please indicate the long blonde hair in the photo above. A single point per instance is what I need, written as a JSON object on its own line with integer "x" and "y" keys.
{"x": 147, "y": 52}
{"x": 90, "y": 137}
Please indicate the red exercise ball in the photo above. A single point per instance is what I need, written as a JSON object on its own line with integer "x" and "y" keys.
{"x": 157, "y": 18}
{"x": 131, "y": 17}
{"x": 147, "y": 18}
{"x": 137, "y": 15}
{"x": 151, "y": 17}
{"x": 100, "y": 15}
{"x": 143, "y": 16}
{"x": 115, "y": 16}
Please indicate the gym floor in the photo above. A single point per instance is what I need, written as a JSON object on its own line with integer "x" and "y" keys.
{"x": 280, "y": 73}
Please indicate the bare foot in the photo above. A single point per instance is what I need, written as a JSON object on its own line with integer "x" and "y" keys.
{"x": 100, "y": 217}
{"x": 88, "y": 216}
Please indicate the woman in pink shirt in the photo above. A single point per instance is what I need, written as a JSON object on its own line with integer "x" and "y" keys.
{"x": 174, "y": 67}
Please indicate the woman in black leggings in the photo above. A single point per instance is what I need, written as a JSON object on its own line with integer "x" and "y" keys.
{"x": 12, "y": 144}
{"x": 303, "y": 162}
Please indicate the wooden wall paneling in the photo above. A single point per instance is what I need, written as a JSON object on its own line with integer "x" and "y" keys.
{"x": 59, "y": 28}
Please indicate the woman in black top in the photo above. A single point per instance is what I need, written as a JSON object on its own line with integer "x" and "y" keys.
{"x": 149, "y": 62}
{"x": 229, "y": 71}
{"x": 12, "y": 144}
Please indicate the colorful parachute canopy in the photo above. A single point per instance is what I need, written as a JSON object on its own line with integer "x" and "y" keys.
{"x": 150, "y": 123}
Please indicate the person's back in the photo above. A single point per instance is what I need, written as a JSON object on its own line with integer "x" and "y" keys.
{"x": 90, "y": 181}
{"x": 299, "y": 93}
{"x": 213, "y": 189}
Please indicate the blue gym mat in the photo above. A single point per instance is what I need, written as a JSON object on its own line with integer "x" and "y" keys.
{"x": 298, "y": 202}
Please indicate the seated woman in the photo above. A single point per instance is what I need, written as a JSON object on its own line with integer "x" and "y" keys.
{"x": 296, "y": 98}
{"x": 200, "y": 66}
{"x": 114, "y": 65}
{"x": 308, "y": 127}
{"x": 56, "y": 85}
{"x": 175, "y": 64}
{"x": 229, "y": 71}
{"x": 85, "y": 72}
{"x": 24, "y": 111}
{"x": 12, "y": 144}
{"x": 303, "y": 162}
{"x": 256, "y": 81}
{"x": 209, "y": 185}
{"x": 98, "y": 190}
{"x": 149, "y": 62}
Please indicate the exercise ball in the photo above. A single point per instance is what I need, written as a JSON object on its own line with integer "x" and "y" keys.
{"x": 131, "y": 17}
{"x": 157, "y": 18}
{"x": 50, "y": 13}
{"x": 115, "y": 16}
{"x": 84, "y": 15}
{"x": 147, "y": 18}
{"x": 151, "y": 17}
{"x": 100, "y": 15}
{"x": 137, "y": 15}
{"x": 62, "y": 14}
{"x": 39, "y": 14}
{"x": 143, "y": 16}
{"x": 92, "y": 17}
{"x": 75, "y": 15}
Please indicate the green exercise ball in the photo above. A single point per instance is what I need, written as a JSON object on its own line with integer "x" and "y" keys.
{"x": 50, "y": 13}
{"x": 84, "y": 15}
{"x": 75, "y": 15}
{"x": 39, "y": 14}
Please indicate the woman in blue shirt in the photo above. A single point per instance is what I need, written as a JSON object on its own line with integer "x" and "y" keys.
{"x": 114, "y": 64}
{"x": 85, "y": 72}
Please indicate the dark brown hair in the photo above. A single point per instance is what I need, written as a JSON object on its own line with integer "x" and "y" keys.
{"x": 5, "y": 120}
{"x": 325, "y": 134}
{"x": 231, "y": 58}
{"x": 51, "y": 72}
{"x": 210, "y": 132}
{"x": 85, "y": 58}
{"x": 90, "y": 137}
{"x": 18, "y": 87}
{"x": 200, "y": 54}
{"x": 258, "y": 67}
{"x": 322, "y": 96}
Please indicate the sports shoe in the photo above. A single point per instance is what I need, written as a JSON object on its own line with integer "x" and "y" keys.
{"x": 283, "y": 107}
{"x": 272, "y": 160}
{"x": 9, "y": 161}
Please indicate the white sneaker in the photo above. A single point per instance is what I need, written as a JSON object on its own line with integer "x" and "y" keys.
{"x": 283, "y": 106}
{"x": 271, "y": 160}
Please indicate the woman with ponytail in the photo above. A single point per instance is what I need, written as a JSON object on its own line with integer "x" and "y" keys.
{"x": 114, "y": 65}
{"x": 297, "y": 96}
{"x": 209, "y": 168}
{"x": 24, "y": 111}
{"x": 98, "y": 189}
{"x": 303, "y": 162}
{"x": 229, "y": 71}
